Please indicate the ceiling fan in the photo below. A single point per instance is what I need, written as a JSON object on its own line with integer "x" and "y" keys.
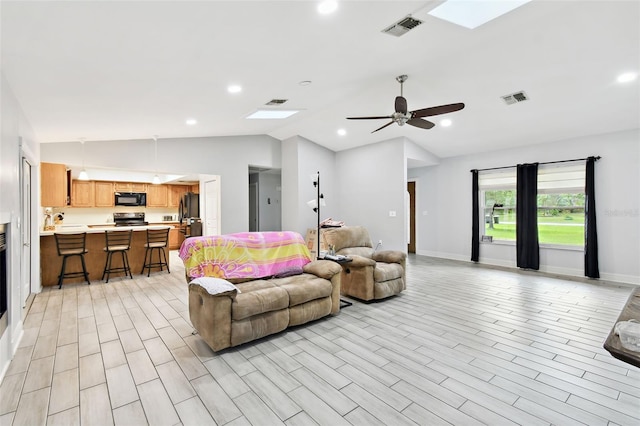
{"x": 412, "y": 118}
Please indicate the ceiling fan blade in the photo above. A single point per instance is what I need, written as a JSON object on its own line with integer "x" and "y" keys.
{"x": 419, "y": 122}
{"x": 401, "y": 105}
{"x": 380, "y": 128}
{"x": 368, "y": 118}
{"x": 437, "y": 110}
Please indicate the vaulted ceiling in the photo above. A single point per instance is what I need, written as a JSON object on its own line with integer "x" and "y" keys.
{"x": 106, "y": 70}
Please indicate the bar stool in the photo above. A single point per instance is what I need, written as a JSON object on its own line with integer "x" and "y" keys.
{"x": 117, "y": 242}
{"x": 69, "y": 245}
{"x": 156, "y": 241}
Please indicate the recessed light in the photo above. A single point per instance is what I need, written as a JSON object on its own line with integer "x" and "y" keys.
{"x": 234, "y": 88}
{"x": 191, "y": 122}
{"x": 342, "y": 132}
{"x": 273, "y": 114}
{"x": 305, "y": 82}
{"x": 328, "y": 6}
{"x": 445, "y": 122}
{"x": 627, "y": 77}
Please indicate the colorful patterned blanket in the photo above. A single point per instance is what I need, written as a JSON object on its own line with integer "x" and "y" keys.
{"x": 244, "y": 255}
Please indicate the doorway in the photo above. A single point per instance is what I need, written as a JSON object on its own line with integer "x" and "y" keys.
{"x": 254, "y": 205}
{"x": 411, "y": 189}
{"x": 265, "y": 194}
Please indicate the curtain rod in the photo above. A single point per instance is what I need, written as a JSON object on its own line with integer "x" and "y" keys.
{"x": 547, "y": 162}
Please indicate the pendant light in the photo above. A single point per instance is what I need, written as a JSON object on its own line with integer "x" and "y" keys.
{"x": 83, "y": 173}
{"x": 156, "y": 178}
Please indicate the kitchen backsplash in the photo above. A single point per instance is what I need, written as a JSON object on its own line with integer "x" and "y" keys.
{"x": 98, "y": 215}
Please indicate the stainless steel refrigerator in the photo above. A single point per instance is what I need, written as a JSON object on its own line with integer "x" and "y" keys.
{"x": 189, "y": 214}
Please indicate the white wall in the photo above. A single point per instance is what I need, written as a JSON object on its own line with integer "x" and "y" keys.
{"x": 302, "y": 158}
{"x": 445, "y": 194}
{"x": 371, "y": 184}
{"x": 228, "y": 157}
{"x": 14, "y": 130}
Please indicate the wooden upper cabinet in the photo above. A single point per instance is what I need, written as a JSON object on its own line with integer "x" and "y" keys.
{"x": 195, "y": 188}
{"x": 82, "y": 193}
{"x": 104, "y": 194}
{"x": 138, "y": 187}
{"x": 175, "y": 194}
{"x": 157, "y": 196}
{"x": 129, "y": 187}
{"x": 53, "y": 185}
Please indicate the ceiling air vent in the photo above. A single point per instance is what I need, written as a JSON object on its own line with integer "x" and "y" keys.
{"x": 402, "y": 26}
{"x": 515, "y": 98}
{"x": 276, "y": 101}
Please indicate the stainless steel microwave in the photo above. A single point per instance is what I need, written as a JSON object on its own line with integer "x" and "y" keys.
{"x": 130, "y": 198}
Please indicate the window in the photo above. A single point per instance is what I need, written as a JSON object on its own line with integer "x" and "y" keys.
{"x": 561, "y": 201}
{"x": 500, "y": 214}
{"x": 498, "y": 199}
{"x": 561, "y": 204}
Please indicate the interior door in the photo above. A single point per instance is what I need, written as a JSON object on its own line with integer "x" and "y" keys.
{"x": 411, "y": 188}
{"x": 212, "y": 207}
{"x": 253, "y": 207}
{"x": 25, "y": 260}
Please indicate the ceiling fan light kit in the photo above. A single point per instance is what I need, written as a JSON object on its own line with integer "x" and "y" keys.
{"x": 412, "y": 118}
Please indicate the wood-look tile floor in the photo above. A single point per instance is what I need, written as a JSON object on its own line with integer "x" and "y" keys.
{"x": 462, "y": 345}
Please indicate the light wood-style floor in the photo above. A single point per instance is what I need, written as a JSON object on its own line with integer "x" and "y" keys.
{"x": 462, "y": 345}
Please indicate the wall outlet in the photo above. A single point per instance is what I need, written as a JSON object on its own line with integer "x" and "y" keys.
{"x": 392, "y": 213}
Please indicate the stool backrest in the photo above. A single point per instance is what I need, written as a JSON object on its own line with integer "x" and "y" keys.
{"x": 157, "y": 236}
{"x": 119, "y": 239}
{"x": 70, "y": 243}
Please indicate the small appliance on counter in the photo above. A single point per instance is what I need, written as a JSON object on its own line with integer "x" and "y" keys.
{"x": 129, "y": 219}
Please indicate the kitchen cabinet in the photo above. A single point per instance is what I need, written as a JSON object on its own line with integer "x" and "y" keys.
{"x": 104, "y": 194}
{"x": 175, "y": 238}
{"x": 129, "y": 187}
{"x": 157, "y": 196}
{"x": 82, "y": 193}
{"x": 175, "y": 194}
{"x": 195, "y": 188}
{"x": 53, "y": 185}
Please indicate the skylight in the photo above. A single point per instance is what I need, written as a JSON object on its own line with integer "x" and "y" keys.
{"x": 473, "y": 13}
{"x": 273, "y": 114}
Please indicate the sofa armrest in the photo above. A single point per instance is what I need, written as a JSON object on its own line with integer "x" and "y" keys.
{"x": 211, "y": 316}
{"x": 359, "y": 261}
{"x": 330, "y": 271}
{"x": 322, "y": 268}
{"x": 390, "y": 256}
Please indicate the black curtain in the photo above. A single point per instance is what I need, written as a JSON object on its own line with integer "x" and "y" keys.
{"x": 591, "y": 269}
{"x": 475, "y": 214}
{"x": 527, "y": 248}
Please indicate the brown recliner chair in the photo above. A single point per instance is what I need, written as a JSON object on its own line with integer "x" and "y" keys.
{"x": 372, "y": 274}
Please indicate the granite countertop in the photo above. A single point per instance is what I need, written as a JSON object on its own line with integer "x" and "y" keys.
{"x": 97, "y": 229}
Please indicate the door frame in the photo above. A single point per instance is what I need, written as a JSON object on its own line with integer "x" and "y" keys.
{"x": 412, "y": 216}
{"x": 29, "y": 219}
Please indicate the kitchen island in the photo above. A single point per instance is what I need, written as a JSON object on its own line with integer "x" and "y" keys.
{"x": 51, "y": 263}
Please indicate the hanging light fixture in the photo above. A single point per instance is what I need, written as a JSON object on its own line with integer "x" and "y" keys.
{"x": 83, "y": 173}
{"x": 156, "y": 178}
